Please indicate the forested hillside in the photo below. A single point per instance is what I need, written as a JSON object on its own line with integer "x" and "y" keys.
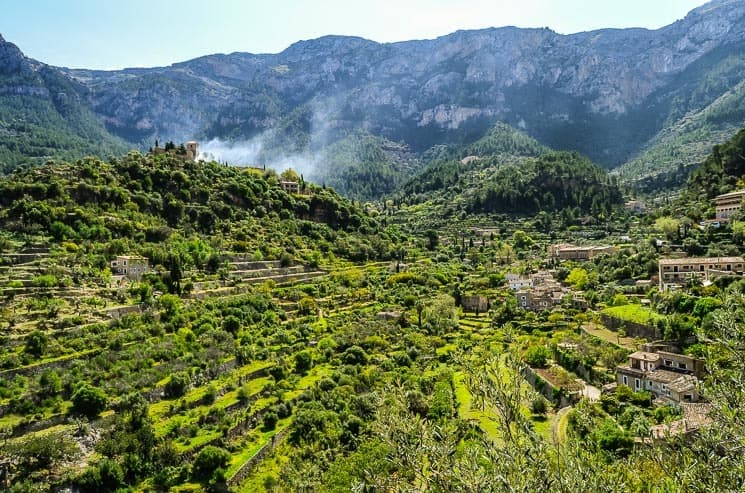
{"x": 147, "y": 199}
{"x": 654, "y": 101}
{"x": 722, "y": 171}
{"x": 43, "y": 115}
{"x": 281, "y": 341}
{"x": 508, "y": 172}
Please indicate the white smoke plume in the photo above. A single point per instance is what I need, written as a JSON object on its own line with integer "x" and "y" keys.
{"x": 253, "y": 152}
{"x": 248, "y": 153}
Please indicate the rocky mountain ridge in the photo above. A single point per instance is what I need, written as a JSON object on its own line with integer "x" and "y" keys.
{"x": 605, "y": 93}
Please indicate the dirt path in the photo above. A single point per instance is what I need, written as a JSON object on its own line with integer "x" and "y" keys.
{"x": 590, "y": 391}
{"x": 558, "y": 426}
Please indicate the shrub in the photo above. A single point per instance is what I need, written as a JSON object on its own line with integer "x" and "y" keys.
{"x": 88, "y": 401}
{"x": 537, "y": 356}
{"x": 177, "y": 385}
{"x": 538, "y": 405}
{"x": 610, "y": 438}
{"x": 303, "y": 362}
{"x": 231, "y": 324}
{"x": 270, "y": 420}
{"x": 44, "y": 281}
{"x": 106, "y": 476}
{"x": 36, "y": 343}
{"x": 285, "y": 260}
{"x": 354, "y": 355}
{"x": 208, "y": 461}
{"x": 244, "y": 393}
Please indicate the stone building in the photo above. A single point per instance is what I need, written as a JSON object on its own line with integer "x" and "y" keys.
{"x": 544, "y": 293}
{"x": 676, "y": 271}
{"x": 474, "y": 303}
{"x": 669, "y": 376}
{"x": 192, "y": 150}
{"x": 517, "y": 281}
{"x": 290, "y": 186}
{"x": 728, "y": 204}
{"x": 566, "y": 251}
{"x": 131, "y": 266}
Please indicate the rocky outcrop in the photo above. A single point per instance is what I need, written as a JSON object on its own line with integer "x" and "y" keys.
{"x": 555, "y": 87}
{"x": 605, "y": 93}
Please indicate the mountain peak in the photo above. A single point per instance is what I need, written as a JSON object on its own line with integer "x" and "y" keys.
{"x": 11, "y": 57}
{"x": 331, "y": 43}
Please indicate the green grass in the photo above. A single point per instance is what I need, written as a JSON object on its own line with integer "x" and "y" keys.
{"x": 160, "y": 408}
{"x": 162, "y": 427}
{"x": 465, "y": 411}
{"x": 10, "y": 421}
{"x": 269, "y": 467}
{"x": 610, "y": 337}
{"x": 256, "y": 441}
{"x": 447, "y": 348}
{"x": 542, "y": 425}
{"x": 203, "y": 437}
{"x": 633, "y": 313}
{"x": 308, "y": 380}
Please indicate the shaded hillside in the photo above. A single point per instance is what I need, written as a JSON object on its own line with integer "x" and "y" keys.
{"x": 720, "y": 172}
{"x": 508, "y": 172}
{"x": 709, "y": 107}
{"x": 447, "y": 163}
{"x": 43, "y": 115}
{"x": 362, "y": 166}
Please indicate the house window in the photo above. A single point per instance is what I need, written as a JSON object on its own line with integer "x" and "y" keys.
{"x": 637, "y": 384}
{"x": 688, "y": 397}
{"x": 625, "y": 380}
{"x": 669, "y": 362}
{"x": 682, "y": 366}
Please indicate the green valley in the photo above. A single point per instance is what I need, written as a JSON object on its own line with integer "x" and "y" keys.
{"x": 180, "y": 325}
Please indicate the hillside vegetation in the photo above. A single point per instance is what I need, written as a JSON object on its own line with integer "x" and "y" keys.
{"x": 508, "y": 172}
{"x": 143, "y": 199}
{"x": 288, "y": 341}
{"x": 42, "y": 118}
{"x": 721, "y": 172}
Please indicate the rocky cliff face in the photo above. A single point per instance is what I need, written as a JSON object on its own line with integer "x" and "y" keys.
{"x": 605, "y": 93}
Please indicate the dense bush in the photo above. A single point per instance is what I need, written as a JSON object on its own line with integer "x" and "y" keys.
{"x": 88, "y": 400}
{"x": 208, "y": 462}
{"x": 537, "y": 356}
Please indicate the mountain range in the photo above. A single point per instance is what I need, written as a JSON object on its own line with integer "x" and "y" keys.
{"x": 647, "y": 103}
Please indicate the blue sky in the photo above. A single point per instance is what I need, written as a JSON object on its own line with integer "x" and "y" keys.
{"x": 110, "y": 34}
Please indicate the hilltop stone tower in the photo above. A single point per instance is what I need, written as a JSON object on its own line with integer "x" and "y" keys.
{"x": 192, "y": 150}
